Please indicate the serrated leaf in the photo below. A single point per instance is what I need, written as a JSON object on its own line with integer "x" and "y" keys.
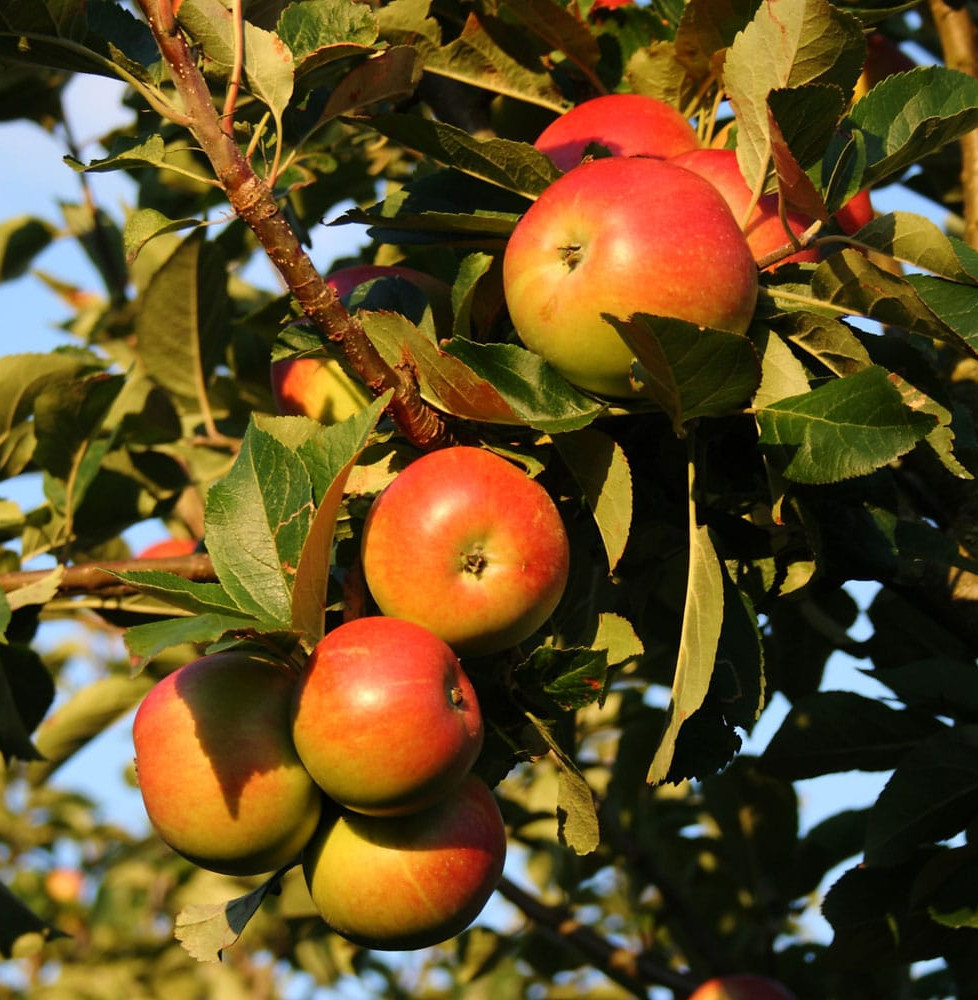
{"x": 256, "y": 521}
{"x": 206, "y": 929}
{"x": 145, "y": 224}
{"x": 126, "y": 153}
{"x": 570, "y": 678}
{"x": 321, "y": 32}
{"x": 932, "y": 796}
{"x": 789, "y": 43}
{"x": 577, "y": 817}
{"x": 618, "y": 638}
{"x": 782, "y": 374}
{"x": 189, "y": 595}
{"x": 267, "y": 60}
{"x": 599, "y": 466}
{"x": 827, "y": 340}
{"x": 149, "y": 640}
{"x": 182, "y": 323}
{"x": 387, "y": 76}
{"x": 836, "y": 731}
{"x": 513, "y": 166}
{"x": 954, "y": 306}
{"x": 708, "y": 27}
{"x": 39, "y": 592}
{"x": 536, "y": 394}
{"x": 908, "y": 116}
{"x": 847, "y": 427}
{"x": 702, "y": 622}
{"x": 325, "y": 452}
{"x": 690, "y": 371}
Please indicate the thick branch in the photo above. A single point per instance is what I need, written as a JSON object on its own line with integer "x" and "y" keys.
{"x": 254, "y": 203}
{"x": 635, "y": 972}
{"x": 958, "y": 41}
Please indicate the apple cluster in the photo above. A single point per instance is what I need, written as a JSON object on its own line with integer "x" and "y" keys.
{"x": 361, "y": 763}
{"x": 661, "y": 226}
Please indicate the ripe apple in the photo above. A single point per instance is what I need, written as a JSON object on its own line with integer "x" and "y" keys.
{"x": 625, "y": 124}
{"x": 466, "y": 544}
{"x": 169, "y": 547}
{"x": 764, "y": 229}
{"x": 855, "y": 213}
{"x": 383, "y": 717}
{"x": 619, "y": 236}
{"x": 219, "y": 776}
{"x": 743, "y": 986}
{"x": 320, "y": 387}
{"x": 411, "y": 882}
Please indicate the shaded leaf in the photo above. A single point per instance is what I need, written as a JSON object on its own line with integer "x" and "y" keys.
{"x": 26, "y": 693}
{"x": 22, "y": 238}
{"x": 600, "y": 468}
{"x": 847, "y": 427}
{"x": 149, "y": 640}
{"x": 21, "y": 930}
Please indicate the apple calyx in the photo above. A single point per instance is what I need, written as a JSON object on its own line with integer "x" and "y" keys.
{"x": 474, "y": 562}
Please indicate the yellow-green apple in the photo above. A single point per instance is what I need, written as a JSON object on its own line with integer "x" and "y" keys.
{"x": 217, "y": 770}
{"x": 742, "y": 986}
{"x": 411, "y": 882}
{"x": 625, "y": 124}
{"x": 169, "y": 547}
{"x": 321, "y": 387}
{"x": 488, "y": 557}
{"x": 615, "y": 237}
{"x": 384, "y": 718}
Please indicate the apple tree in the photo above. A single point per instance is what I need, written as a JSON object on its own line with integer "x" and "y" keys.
{"x": 731, "y": 508}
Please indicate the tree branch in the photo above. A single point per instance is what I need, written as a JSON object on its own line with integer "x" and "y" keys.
{"x": 635, "y": 972}
{"x": 960, "y": 46}
{"x": 254, "y": 202}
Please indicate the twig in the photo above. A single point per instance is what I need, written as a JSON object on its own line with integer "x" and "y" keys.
{"x": 99, "y": 578}
{"x": 958, "y": 42}
{"x": 634, "y": 971}
{"x": 252, "y": 200}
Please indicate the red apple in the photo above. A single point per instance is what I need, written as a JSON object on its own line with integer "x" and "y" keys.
{"x": 411, "y": 882}
{"x": 466, "y": 544}
{"x": 855, "y": 213}
{"x": 625, "y": 124}
{"x": 384, "y": 718}
{"x": 743, "y": 986}
{"x": 616, "y": 237}
{"x": 320, "y": 387}
{"x": 169, "y": 547}
{"x": 764, "y": 229}
{"x": 219, "y": 776}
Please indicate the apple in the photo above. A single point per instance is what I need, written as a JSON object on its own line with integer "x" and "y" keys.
{"x": 320, "y": 387}
{"x": 217, "y": 770}
{"x": 412, "y": 882}
{"x": 625, "y": 124}
{"x": 64, "y": 885}
{"x": 883, "y": 57}
{"x": 743, "y": 986}
{"x": 619, "y": 236}
{"x": 855, "y": 213}
{"x": 169, "y": 547}
{"x": 764, "y": 229}
{"x": 384, "y": 718}
{"x": 466, "y": 544}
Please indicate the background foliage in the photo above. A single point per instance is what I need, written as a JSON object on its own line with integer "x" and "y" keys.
{"x": 718, "y": 523}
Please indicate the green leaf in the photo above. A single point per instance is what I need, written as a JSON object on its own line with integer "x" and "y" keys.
{"x": 939, "y": 685}
{"x": 37, "y": 593}
{"x": 834, "y": 731}
{"x": 536, "y": 394}
{"x": 145, "y": 224}
{"x": 577, "y": 817}
{"x": 268, "y": 64}
{"x": 151, "y": 639}
{"x": 570, "y": 678}
{"x": 256, "y": 521}
{"x": 514, "y": 166}
{"x": 26, "y": 693}
{"x": 908, "y": 116}
{"x": 22, "y": 238}
{"x": 387, "y": 76}
{"x": 558, "y": 29}
{"x": 600, "y": 468}
{"x": 702, "y": 622}
{"x": 126, "y": 153}
{"x": 847, "y": 427}
{"x": 333, "y": 453}
{"x": 320, "y": 32}
{"x": 828, "y": 341}
{"x": 206, "y": 929}
{"x": 182, "y": 323}
{"x": 177, "y": 591}
{"x": 710, "y": 26}
{"x": 932, "y": 796}
{"x": 954, "y": 305}
{"x": 22, "y": 932}
{"x": 617, "y": 637}
{"x": 787, "y": 44}
{"x": 782, "y": 374}
{"x": 690, "y": 371}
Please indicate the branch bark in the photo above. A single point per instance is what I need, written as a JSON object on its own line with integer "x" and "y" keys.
{"x": 632, "y": 970}
{"x": 253, "y": 201}
{"x": 959, "y": 42}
